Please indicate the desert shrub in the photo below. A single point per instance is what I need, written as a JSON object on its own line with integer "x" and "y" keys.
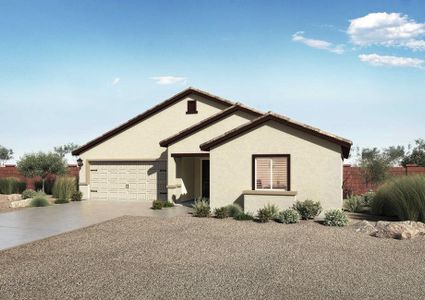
{"x": 201, "y": 208}
{"x": 244, "y": 216}
{"x": 77, "y": 196}
{"x": 233, "y": 210}
{"x": 11, "y": 185}
{"x": 221, "y": 212}
{"x": 288, "y": 216}
{"x": 39, "y": 200}
{"x": 308, "y": 209}
{"x": 28, "y": 194}
{"x": 267, "y": 213}
{"x": 354, "y": 203}
{"x": 64, "y": 188}
{"x": 335, "y": 217}
{"x": 368, "y": 198}
{"x": 403, "y": 197}
{"x": 168, "y": 204}
{"x": 157, "y": 204}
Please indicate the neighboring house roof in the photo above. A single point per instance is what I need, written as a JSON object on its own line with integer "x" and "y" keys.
{"x": 208, "y": 121}
{"x": 149, "y": 113}
{"x": 344, "y": 143}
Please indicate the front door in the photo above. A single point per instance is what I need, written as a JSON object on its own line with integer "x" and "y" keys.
{"x": 205, "y": 178}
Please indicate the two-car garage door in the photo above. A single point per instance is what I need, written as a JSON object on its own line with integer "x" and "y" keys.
{"x": 132, "y": 180}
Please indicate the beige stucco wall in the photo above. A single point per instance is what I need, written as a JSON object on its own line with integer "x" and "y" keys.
{"x": 141, "y": 142}
{"x": 190, "y": 187}
{"x": 316, "y": 165}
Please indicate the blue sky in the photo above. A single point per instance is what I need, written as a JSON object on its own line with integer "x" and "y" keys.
{"x": 71, "y": 70}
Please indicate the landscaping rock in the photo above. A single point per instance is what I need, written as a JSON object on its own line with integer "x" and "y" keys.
{"x": 395, "y": 230}
{"x": 20, "y": 203}
{"x": 365, "y": 227}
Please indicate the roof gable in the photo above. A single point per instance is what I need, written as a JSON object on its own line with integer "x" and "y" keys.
{"x": 161, "y": 106}
{"x": 344, "y": 143}
{"x": 207, "y": 122}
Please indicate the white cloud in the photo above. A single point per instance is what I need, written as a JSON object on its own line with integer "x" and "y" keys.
{"x": 318, "y": 44}
{"x": 387, "y": 29}
{"x": 166, "y": 80}
{"x": 116, "y": 80}
{"x": 392, "y": 61}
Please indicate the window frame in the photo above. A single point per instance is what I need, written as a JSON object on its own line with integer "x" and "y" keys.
{"x": 254, "y": 173}
{"x": 191, "y": 110}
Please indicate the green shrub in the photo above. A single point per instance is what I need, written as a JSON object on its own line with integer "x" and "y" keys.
{"x": 28, "y": 194}
{"x": 335, "y": 217}
{"x": 233, "y": 210}
{"x": 244, "y": 216}
{"x": 157, "y": 204}
{"x": 11, "y": 185}
{"x": 403, "y": 197}
{"x": 168, "y": 204}
{"x": 267, "y": 213}
{"x": 201, "y": 208}
{"x": 64, "y": 188}
{"x": 288, "y": 216}
{"x": 39, "y": 200}
{"x": 368, "y": 198}
{"x": 354, "y": 203}
{"x": 221, "y": 212}
{"x": 308, "y": 209}
{"x": 61, "y": 201}
{"x": 77, "y": 196}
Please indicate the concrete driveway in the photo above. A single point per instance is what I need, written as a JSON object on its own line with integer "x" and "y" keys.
{"x": 30, "y": 224}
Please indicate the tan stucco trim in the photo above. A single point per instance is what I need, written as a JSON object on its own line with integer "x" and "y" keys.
{"x": 275, "y": 193}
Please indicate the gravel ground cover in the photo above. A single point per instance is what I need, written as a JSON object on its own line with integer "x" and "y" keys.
{"x": 186, "y": 257}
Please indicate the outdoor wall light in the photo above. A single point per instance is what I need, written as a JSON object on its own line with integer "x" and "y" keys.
{"x": 80, "y": 162}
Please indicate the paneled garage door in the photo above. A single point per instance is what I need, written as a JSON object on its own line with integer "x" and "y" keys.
{"x": 133, "y": 180}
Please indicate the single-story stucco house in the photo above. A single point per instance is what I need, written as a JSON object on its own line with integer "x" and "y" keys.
{"x": 195, "y": 144}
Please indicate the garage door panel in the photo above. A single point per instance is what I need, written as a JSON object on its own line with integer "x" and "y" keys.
{"x": 141, "y": 181}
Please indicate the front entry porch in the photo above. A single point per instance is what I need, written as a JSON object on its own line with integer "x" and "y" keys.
{"x": 188, "y": 176}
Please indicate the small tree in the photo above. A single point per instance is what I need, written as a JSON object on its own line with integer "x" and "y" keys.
{"x": 5, "y": 154}
{"x": 65, "y": 149}
{"x": 41, "y": 164}
{"x": 416, "y": 155}
{"x": 374, "y": 163}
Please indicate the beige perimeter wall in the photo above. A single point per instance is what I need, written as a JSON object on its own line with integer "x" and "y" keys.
{"x": 316, "y": 165}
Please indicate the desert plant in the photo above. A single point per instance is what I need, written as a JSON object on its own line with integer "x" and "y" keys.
{"x": 201, "y": 208}
{"x": 157, "y": 204}
{"x": 233, "y": 210}
{"x": 244, "y": 216}
{"x": 64, "y": 188}
{"x": 354, "y": 203}
{"x": 39, "y": 200}
{"x": 403, "y": 197}
{"x": 368, "y": 198}
{"x": 41, "y": 164}
{"x": 11, "y": 185}
{"x": 267, "y": 213}
{"x": 168, "y": 204}
{"x": 288, "y": 216}
{"x": 308, "y": 209}
{"x": 77, "y": 196}
{"x": 221, "y": 212}
{"x": 335, "y": 217}
{"x": 28, "y": 194}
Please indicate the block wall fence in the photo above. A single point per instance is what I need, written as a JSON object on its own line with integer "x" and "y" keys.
{"x": 12, "y": 171}
{"x": 353, "y": 183}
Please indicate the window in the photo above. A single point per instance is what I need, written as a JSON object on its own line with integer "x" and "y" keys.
{"x": 271, "y": 172}
{"x": 191, "y": 107}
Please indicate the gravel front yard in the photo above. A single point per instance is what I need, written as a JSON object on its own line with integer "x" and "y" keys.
{"x": 185, "y": 257}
